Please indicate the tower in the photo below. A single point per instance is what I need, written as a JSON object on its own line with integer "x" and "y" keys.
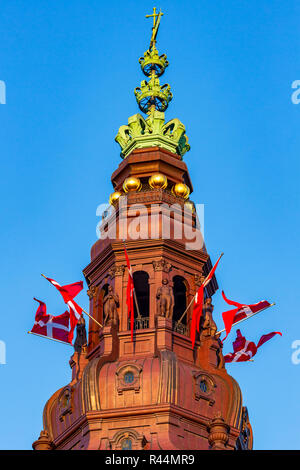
{"x": 155, "y": 391}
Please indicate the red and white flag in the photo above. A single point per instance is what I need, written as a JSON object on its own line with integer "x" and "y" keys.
{"x": 267, "y": 337}
{"x": 244, "y": 350}
{"x": 53, "y": 327}
{"x": 230, "y": 317}
{"x": 129, "y": 293}
{"x": 75, "y": 314}
{"x": 198, "y": 303}
{"x": 68, "y": 292}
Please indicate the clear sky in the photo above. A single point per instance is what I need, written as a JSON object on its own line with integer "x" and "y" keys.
{"x": 70, "y": 69}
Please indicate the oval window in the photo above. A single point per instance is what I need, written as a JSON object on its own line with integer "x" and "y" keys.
{"x": 203, "y": 386}
{"x": 128, "y": 377}
{"x": 127, "y": 444}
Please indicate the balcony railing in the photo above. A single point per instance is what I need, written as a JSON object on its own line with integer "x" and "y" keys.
{"x": 140, "y": 323}
{"x": 181, "y": 329}
{"x": 143, "y": 323}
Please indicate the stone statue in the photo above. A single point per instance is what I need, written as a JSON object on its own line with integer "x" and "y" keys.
{"x": 208, "y": 325}
{"x": 111, "y": 303}
{"x": 81, "y": 340}
{"x": 165, "y": 300}
{"x": 220, "y": 357}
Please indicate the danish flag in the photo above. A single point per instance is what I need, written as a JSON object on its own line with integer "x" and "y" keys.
{"x": 129, "y": 293}
{"x": 240, "y": 312}
{"x": 53, "y": 327}
{"x": 198, "y": 303}
{"x": 75, "y": 314}
{"x": 68, "y": 293}
{"x": 244, "y": 350}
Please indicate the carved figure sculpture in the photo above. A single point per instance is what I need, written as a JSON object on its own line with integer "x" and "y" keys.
{"x": 111, "y": 303}
{"x": 208, "y": 324}
{"x": 165, "y": 300}
{"x": 81, "y": 339}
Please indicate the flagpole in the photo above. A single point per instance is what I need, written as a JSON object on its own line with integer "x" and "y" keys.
{"x": 99, "y": 324}
{"x": 238, "y": 362}
{"x": 134, "y": 293}
{"x": 247, "y": 318}
{"x": 136, "y": 303}
{"x": 179, "y": 321}
{"x": 47, "y": 337}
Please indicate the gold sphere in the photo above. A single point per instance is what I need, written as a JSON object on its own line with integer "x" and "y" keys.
{"x": 190, "y": 205}
{"x": 181, "y": 190}
{"x": 157, "y": 181}
{"x": 132, "y": 184}
{"x": 114, "y": 197}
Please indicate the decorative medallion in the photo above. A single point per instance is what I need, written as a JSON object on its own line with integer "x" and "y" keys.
{"x": 128, "y": 378}
{"x": 204, "y": 387}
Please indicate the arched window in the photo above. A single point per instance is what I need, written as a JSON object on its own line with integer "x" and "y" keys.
{"x": 179, "y": 291}
{"x": 141, "y": 285}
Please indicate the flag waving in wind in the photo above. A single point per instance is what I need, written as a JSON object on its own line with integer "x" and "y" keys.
{"x": 230, "y": 317}
{"x": 52, "y": 327}
{"x": 129, "y": 293}
{"x": 198, "y": 303}
{"x": 68, "y": 293}
{"x": 75, "y": 314}
{"x": 244, "y": 350}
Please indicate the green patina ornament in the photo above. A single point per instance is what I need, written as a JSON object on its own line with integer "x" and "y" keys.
{"x": 151, "y": 95}
{"x": 153, "y": 99}
{"x": 153, "y": 61}
{"x": 152, "y": 132}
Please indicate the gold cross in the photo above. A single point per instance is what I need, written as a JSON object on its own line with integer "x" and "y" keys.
{"x": 154, "y": 15}
{"x": 156, "y": 21}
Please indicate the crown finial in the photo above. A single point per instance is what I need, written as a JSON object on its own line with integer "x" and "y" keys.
{"x": 151, "y": 95}
{"x": 153, "y": 99}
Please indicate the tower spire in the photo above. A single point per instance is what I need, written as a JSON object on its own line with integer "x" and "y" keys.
{"x": 151, "y": 95}
{"x": 153, "y": 99}
{"x": 127, "y": 391}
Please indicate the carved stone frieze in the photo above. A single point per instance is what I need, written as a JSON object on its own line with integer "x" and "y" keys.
{"x": 198, "y": 278}
{"x": 91, "y": 292}
{"x": 162, "y": 265}
{"x": 116, "y": 271}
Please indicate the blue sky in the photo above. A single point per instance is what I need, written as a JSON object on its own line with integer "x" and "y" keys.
{"x": 70, "y": 69}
